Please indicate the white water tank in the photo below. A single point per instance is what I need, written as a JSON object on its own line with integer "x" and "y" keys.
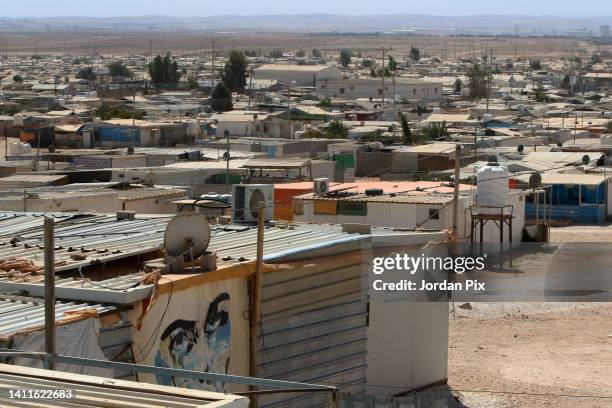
{"x": 492, "y": 189}
{"x": 18, "y": 148}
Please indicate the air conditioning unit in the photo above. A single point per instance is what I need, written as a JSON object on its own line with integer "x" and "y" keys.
{"x": 245, "y": 200}
{"x": 320, "y": 185}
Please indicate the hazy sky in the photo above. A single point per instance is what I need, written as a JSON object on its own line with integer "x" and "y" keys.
{"x": 104, "y": 8}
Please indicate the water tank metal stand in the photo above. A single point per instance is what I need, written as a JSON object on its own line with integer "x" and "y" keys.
{"x": 478, "y": 220}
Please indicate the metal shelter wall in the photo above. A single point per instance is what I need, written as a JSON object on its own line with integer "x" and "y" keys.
{"x": 314, "y": 328}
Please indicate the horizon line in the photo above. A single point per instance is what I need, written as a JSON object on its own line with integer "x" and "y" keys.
{"x": 306, "y": 14}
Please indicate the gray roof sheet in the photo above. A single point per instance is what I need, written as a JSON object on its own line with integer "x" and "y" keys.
{"x": 19, "y": 313}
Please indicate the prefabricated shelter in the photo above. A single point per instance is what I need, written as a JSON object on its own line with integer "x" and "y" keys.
{"x": 304, "y": 75}
{"x": 406, "y": 205}
{"x": 93, "y": 197}
{"x": 571, "y": 196}
{"x": 320, "y": 322}
{"x": 239, "y": 124}
{"x": 426, "y": 157}
{"x": 372, "y": 88}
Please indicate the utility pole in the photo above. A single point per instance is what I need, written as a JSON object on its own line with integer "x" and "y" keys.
{"x": 49, "y": 248}
{"x": 227, "y": 163}
{"x": 489, "y": 79}
{"x": 212, "y": 82}
{"x": 133, "y": 120}
{"x": 383, "y": 77}
{"x": 250, "y": 87}
{"x": 255, "y": 300}
{"x": 456, "y": 187}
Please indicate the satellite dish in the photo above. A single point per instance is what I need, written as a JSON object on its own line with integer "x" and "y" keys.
{"x": 520, "y": 148}
{"x": 186, "y": 231}
{"x": 586, "y": 159}
{"x": 535, "y": 180}
{"x": 150, "y": 179}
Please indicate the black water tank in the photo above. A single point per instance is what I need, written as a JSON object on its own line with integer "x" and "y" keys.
{"x": 374, "y": 191}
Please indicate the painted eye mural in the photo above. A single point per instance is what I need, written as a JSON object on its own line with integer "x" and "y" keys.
{"x": 198, "y": 346}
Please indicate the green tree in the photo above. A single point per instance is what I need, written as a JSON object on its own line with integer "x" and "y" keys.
{"x": 367, "y": 63}
{"x": 300, "y": 54}
{"x": 596, "y": 59}
{"x": 535, "y": 65}
{"x": 86, "y": 73}
{"x": 316, "y": 53}
{"x": 163, "y": 70}
{"x": 392, "y": 66}
{"x": 435, "y": 130}
{"x": 345, "y": 57}
{"x": 335, "y": 130}
{"x": 17, "y": 78}
{"x": 566, "y": 83}
{"x": 576, "y": 60}
{"x": 406, "y": 130}
{"x": 193, "y": 83}
{"x": 9, "y": 110}
{"x": 325, "y": 102}
{"x": 276, "y": 53}
{"x": 221, "y": 100}
{"x": 415, "y": 54}
{"x": 312, "y": 133}
{"x": 118, "y": 69}
{"x": 234, "y": 72}
{"x": 457, "y": 86}
{"x": 106, "y": 112}
{"x": 377, "y": 73}
{"x": 540, "y": 94}
{"x": 477, "y": 82}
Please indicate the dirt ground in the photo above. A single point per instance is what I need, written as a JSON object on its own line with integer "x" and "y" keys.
{"x": 123, "y": 43}
{"x": 534, "y": 354}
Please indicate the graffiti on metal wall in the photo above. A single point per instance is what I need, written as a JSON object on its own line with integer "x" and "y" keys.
{"x": 197, "y": 345}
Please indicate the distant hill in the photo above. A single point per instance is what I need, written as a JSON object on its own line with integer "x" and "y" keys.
{"x": 491, "y": 24}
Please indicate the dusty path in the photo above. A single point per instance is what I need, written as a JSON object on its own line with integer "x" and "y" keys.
{"x": 535, "y": 354}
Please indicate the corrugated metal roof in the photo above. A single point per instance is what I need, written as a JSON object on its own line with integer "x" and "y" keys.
{"x": 562, "y": 157}
{"x": 292, "y": 67}
{"x": 81, "y": 240}
{"x": 102, "y": 238}
{"x": 276, "y": 163}
{"x": 92, "y": 391}
{"x": 567, "y": 178}
{"x": 432, "y": 148}
{"x": 30, "y": 180}
{"x": 19, "y": 313}
{"x": 390, "y": 198}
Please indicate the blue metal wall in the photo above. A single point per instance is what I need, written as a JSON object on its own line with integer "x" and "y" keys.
{"x": 579, "y": 213}
{"x": 118, "y": 135}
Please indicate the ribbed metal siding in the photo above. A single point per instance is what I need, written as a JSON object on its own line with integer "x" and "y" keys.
{"x": 314, "y": 330}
